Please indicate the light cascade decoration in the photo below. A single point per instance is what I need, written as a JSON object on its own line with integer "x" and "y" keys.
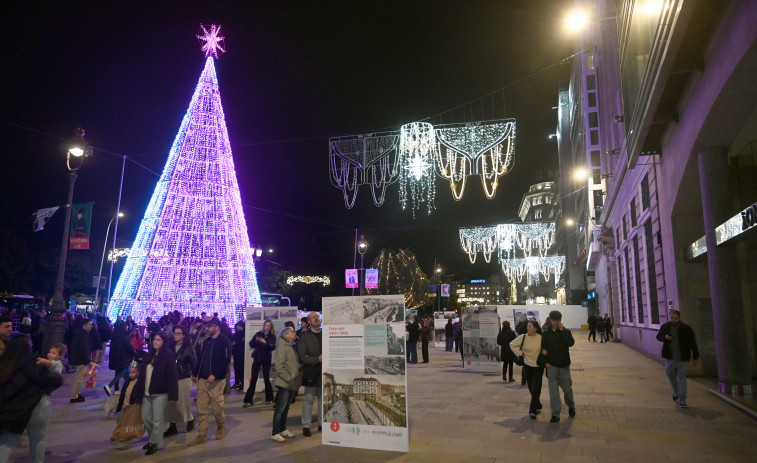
{"x": 480, "y": 148}
{"x": 415, "y": 165}
{"x": 363, "y": 159}
{"x": 419, "y": 152}
{"x": 192, "y": 251}
{"x": 507, "y": 238}
{"x": 308, "y": 280}
{"x": 533, "y": 267}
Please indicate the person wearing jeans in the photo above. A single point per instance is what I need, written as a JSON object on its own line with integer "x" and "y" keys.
{"x": 555, "y": 344}
{"x": 679, "y": 346}
{"x": 161, "y": 385}
{"x": 311, "y": 359}
{"x": 288, "y": 370}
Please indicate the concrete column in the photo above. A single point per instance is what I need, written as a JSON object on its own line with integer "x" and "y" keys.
{"x": 725, "y": 281}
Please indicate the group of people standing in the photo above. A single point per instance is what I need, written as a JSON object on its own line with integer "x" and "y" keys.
{"x": 417, "y": 330}
{"x": 298, "y": 355}
{"x": 601, "y": 325}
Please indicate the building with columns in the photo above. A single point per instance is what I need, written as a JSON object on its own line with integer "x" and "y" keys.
{"x": 661, "y": 110}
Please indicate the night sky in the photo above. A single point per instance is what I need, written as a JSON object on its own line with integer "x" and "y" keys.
{"x": 294, "y": 74}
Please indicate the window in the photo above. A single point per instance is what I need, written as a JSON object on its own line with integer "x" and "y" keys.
{"x": 595, "y": 159}
{"x": 591, "y": 82}
{"x": 598, "y": 198}
{"x": 633, "y": 212}
{"x": 625, "y": 228}
{"x": 645, "y": 192}
{"x": 654, "y": 312}
{"x": 628, "y": 285}
{"x": 637, "y": 280}
{"x": 590, "y": 61}
{"x": 593, "y": 120}
{"x": 596, "y": 176}
{"x": 537, "y": 214}
{"x": 592, "y": 99}
{"x": 594, "y": 137}
{"x": 619, "y": 263}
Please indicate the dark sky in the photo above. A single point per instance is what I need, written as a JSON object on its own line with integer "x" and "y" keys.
{"x": 295, "y": 73}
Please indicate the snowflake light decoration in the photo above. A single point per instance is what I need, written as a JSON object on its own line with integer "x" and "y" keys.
{"x": 213, "y": 41}
{"x": 415, "y": 163}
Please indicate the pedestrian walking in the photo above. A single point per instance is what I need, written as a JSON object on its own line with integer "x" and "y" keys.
{"x": 505, "y": 336}
{"x": 592, "y": 321}
{"x": 161, "y": 386}
{"x": 79, "y": 356}
{"x": 237, "y": 351}
{"x": 555, "y": 345}
{"x": 186, "y": 361}
{"x": 210, "y": 376}
{"x": 601, "y": 330}
{"x": 679, "y": 346}
{"x": 449, "y": 335}
{"x": 529, "y": 345}
{"x": 311, "y": 358}
{"x": 427, "y": 335}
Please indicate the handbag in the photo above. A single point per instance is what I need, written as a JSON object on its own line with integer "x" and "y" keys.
{"x": 521, "y": 359}
{"x": 130, "y": 425}
{"x": 295, "y": 384}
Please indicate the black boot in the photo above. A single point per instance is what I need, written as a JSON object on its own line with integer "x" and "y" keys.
{"x": 151, "y": 449}
{"x": 171, "y": 430}
{"x": 190, "y": 425}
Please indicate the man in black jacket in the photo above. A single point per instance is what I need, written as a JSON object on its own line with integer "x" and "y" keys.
{"x": 311, "y": 359}
{"x": 555, "y": 345}
{"x": 504, "y": 339}
{"x": 210, "y": 375}
{"x": 449, "y": 335}
{"x": 679, "y": 345}
{"x": 79, "y": 357}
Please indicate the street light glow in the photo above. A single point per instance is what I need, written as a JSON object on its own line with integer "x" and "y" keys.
{"x": 76, "y": 152}
{"x": 576, "y": 21}
{"x": 569, "y": 222}
{"x": 580, "y": 174}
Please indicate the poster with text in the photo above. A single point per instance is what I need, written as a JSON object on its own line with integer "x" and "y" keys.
{"x": 364, "y": 383}
{"x": 480, "y": 330}
{"x": 255, "y": 317}
{"x": 371, "y": 278}
{"x": 350, "y": 278}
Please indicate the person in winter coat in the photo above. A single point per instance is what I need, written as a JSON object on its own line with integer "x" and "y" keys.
{"x": 237, "y": 351}
{"x": 601, "y": 329}
{"x": 186, "y": 361}
{"x": 449, "y": 338}
{"x": 25, "y": 389}
{"x": 310, "y": 354}
{"x": 506, "y": 355}
{"x": 529, "y": 345}
{"x": 287, "y": 371}
{"x": 79, "y": 356}
{"x": 121, "y": 355}
{"x": 413, "y": 334}
{"x": 427, "y": 334}
{"x": 263, "y": 343}
{"x": 161, "y": 386}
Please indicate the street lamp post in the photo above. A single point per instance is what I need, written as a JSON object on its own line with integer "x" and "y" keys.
{"x": 102, "y": 258}
{"x": 362, "y": 247}
{"x": 77, "y": 149}
{"x": 438, "y": 273}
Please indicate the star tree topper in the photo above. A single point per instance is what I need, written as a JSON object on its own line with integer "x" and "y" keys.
{"x": 213, "y": 41}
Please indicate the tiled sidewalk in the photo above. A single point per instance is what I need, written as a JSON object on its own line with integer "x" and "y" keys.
{"x": 624, "y": 414}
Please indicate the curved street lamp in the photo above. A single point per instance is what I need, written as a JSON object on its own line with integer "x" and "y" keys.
{"x": 77, "y": 149}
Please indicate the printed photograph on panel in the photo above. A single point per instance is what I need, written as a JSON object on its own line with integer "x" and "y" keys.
{"x": 470, "y": 321}
{"x": 383, "y": 309}
{"x": 475, "y": 348}
{"x": 355, "y": 397}
{"x": 519, "y": 316}
{"x": 271, "y": 314}
{"x": 384, "y": 365}
{"x": 395, "y": 339}
{"x": 345, "y": 310}
{"x": 288, "y": 313}
{"x": 255, "y": 315}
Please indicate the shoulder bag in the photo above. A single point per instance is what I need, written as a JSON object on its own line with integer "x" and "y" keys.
{"x": 520, "y": 360}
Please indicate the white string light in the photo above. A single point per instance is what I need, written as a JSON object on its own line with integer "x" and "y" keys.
{"x": 308, "y": 280}
{"x": 415, "y": 165}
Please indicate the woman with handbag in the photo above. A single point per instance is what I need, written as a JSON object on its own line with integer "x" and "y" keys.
{"x": 263, "y": 343}
{"x": 288, "y": 380}
{"x": 527, "y": 348}
{"x": 161, "y": 386}
{"x": 186, "y": 360}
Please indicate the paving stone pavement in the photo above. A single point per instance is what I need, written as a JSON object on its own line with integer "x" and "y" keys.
{"x": 625, "y": 413}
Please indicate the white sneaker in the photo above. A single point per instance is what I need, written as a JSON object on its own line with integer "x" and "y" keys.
{"x": 286, "y": 433}
{"x": 278, "y": 438}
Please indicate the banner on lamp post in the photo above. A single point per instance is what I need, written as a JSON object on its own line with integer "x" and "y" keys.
{"x": 81, "y": 219}
{"x": 350, "y": 278}
{"x": 371, "y": 278}
{"x": 431, "y": 290}
{"x": 445, "y": 290}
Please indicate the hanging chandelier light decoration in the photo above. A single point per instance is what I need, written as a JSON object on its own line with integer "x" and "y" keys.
{"x": 533, "y": 268}
{"x": 357, "y": 160}
{"x": 475, "y": 239}
{"x": 415, "y": 165}
{"x": 479, "y": 148}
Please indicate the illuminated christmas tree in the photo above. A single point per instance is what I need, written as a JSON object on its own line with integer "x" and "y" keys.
{"x": 399, "y": 273}
{"x": 192, "y": 252}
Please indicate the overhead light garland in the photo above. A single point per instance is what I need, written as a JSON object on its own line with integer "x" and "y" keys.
{"x": 308, "y": 280}
{"x": 475, "y": 239}
{"x": 416, "y": 154}
{"x": 533, "y": 267}
{"x": 507, "y": 239}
